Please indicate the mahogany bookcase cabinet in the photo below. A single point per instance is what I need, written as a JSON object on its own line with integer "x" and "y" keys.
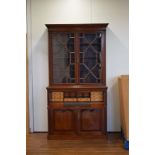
{"x": 77, "y": 92}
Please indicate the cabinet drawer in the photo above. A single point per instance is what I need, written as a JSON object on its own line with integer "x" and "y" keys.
{"x": 83, "y": 99}
{"x": 97, "y": 96}
{"x": 70, "y": 99}
{"x": 56, "y": 96}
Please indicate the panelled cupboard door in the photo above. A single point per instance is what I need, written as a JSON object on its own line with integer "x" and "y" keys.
{"x": 63, "y": 57}
{"x": 90, "y": 57}
{"x": 77, "y": 57}
{"x": 90, "y": 120}
{"x": 63, "y": 120}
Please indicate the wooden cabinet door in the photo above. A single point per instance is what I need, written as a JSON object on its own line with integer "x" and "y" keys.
{"x": 64, "y": 120}
{"x": 90, "y": 120}
{"x": 63, "y": 54}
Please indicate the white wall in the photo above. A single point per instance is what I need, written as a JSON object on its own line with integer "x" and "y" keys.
{"x": 41, "y": 12}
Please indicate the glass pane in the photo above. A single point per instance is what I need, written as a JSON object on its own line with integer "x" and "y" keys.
{"x": 63, "y": 58}
{"x": 90, "y": 57}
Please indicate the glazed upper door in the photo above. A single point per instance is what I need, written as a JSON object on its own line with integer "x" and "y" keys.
{"x": 63, "y": 48}
{"x": 76, "y": 57}
{"x": 90, "y": 57}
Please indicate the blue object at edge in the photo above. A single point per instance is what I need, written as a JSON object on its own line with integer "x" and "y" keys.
{"x": 126, "y": 144}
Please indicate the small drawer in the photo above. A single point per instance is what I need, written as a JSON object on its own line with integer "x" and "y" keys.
{"x": 69, "y": 94}
{"x": 56, "y": 96}
{"x": 83, "y": 99}
{"x": 70, "y": 99}
{"x": 97, "y": 96}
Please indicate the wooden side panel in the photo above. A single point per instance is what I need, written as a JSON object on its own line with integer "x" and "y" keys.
{"x": 63, "y": 120}
{"x": 90, "y": 120}
{"x": 124, "y": 103}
